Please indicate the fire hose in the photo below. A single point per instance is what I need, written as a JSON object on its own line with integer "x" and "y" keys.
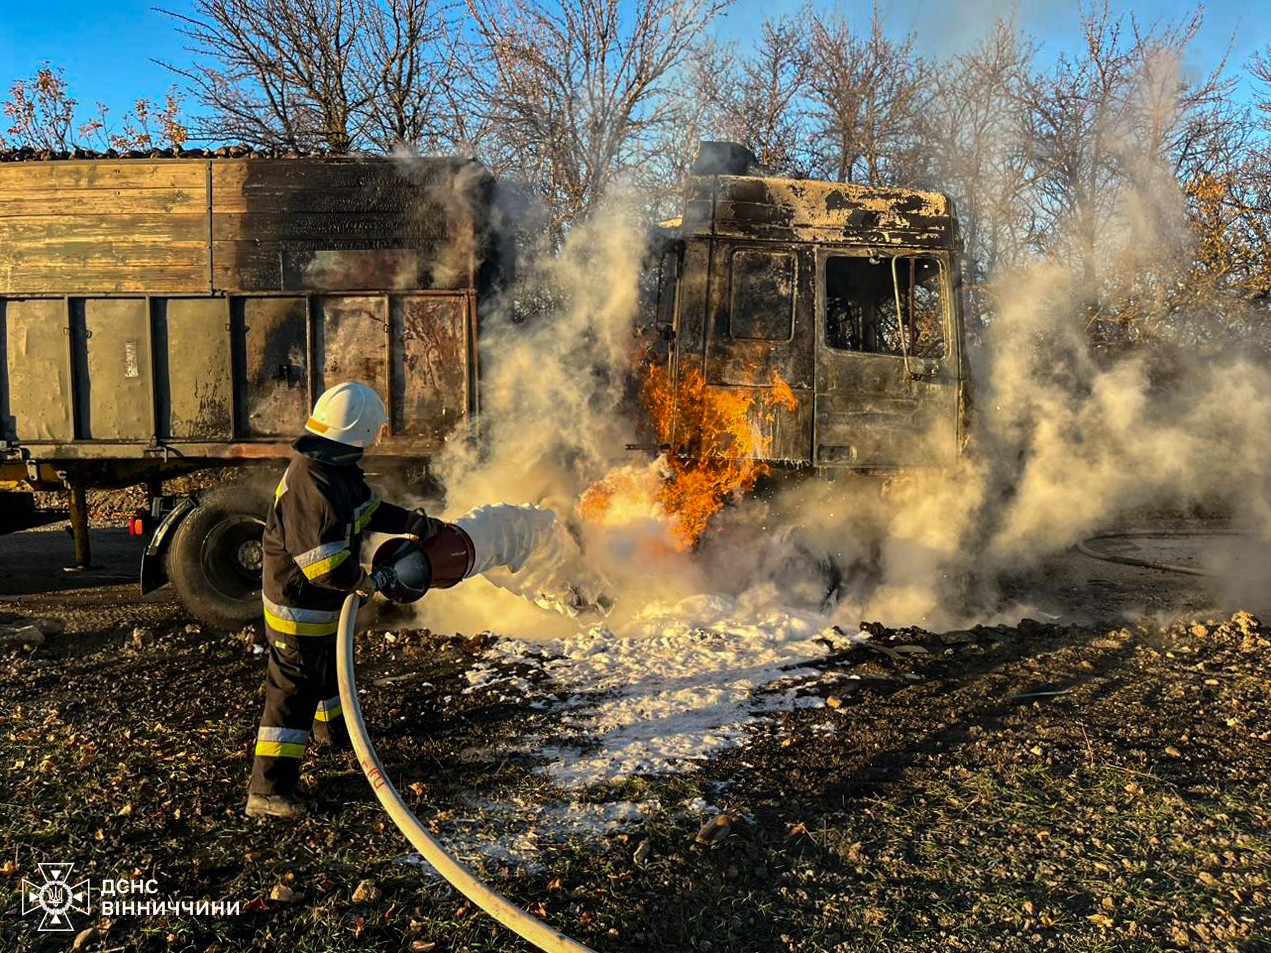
{"x": 459, "y": 876}
{"x": 1084, "y": 547}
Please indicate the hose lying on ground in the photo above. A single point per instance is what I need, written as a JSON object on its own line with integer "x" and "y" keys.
{"x": 1085, "y": 549}
{"x": 463, "y": 879}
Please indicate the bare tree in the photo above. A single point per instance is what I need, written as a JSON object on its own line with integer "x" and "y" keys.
{"x": 1230, "y": 204}
{"x": 708, "y": 79}
{"x": 1117, "y": 121}
{"x": 755, "y": 97}
{"x": 973, "y": 149}
{"x": 334, "y": 75}
{"x": 40, "y": 111}
{"x": 574, "y": 93}
{"x": 411, "y": 97}
{"x": 867, "y": 96}
{"x": 276, "y": 73}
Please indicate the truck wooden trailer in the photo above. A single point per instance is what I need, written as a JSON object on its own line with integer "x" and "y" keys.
{"x": 163, "y": 316}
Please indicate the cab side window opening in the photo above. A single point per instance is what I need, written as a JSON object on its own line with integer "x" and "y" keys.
{"x": 860, "y": 305}
{"x": 761, "y": 295}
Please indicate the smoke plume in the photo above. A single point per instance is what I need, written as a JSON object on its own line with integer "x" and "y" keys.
{"x": 1068, "y": 442}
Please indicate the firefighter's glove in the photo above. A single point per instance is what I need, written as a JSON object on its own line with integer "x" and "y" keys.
{"x": 375, "y": 581}
{"x": 423, "y": 526}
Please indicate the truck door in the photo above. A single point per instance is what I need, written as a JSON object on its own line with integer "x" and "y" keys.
{"x": 886, "y": 360}
{"x": 759, "y": 330}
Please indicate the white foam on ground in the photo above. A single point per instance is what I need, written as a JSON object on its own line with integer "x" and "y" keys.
{"x": 681, "y": 682}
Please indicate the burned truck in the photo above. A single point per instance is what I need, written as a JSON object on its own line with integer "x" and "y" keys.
{"x": 159, "y": 317}
{"x": 850, "y": 296}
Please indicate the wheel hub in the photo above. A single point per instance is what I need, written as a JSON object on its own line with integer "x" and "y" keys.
{"x": 251, "y": 555}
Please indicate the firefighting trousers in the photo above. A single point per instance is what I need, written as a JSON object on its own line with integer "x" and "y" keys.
{"x": 301, "y": 695}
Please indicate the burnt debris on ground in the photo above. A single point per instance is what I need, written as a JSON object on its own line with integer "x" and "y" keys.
{"x": 998, "y": 788}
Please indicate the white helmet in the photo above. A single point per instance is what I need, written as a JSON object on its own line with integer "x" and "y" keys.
{"x": 350, "y": 413}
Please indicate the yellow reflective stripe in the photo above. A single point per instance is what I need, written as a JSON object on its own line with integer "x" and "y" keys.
{"x": 364, "y": 515}
{"x": 324, "y": 566}
{"x": 282, "y": 488}
{"x": 320, "y": 552}
{"x": 328, "y": 714}
{"x": 295, "y": 621}
{"x": 279, "y": 749}
{"x": 300, "y": 628}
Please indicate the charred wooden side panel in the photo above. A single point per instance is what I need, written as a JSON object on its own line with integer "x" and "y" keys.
{"x": 268, "y": 213}
{"x": 354, "y": 270}
{"x": 195, "y": 225}
{"x": 101, "y": 226}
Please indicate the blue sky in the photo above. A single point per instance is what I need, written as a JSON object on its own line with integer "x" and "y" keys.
{"x": 107, "y": 49}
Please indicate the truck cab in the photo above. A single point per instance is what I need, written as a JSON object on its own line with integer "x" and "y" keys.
{"x": 849, "y": 296}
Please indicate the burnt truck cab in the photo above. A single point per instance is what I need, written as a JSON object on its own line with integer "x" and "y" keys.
{"x": 847, "y": 294}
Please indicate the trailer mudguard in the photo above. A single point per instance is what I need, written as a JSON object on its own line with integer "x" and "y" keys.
{"x": 154, "y": 570}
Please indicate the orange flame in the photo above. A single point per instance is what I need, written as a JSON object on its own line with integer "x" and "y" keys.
{"x": 716, "y": 438}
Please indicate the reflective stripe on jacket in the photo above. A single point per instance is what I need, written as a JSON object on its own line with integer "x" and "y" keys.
{"x": 313, "y": 536}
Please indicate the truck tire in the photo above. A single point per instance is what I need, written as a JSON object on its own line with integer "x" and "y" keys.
{"x": 214, "y": 559}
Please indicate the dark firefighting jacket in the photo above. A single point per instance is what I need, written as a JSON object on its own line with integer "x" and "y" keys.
{"x": 313, "y": 536}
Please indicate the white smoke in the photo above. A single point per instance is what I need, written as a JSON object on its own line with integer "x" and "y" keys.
{"x": 553, "y": 416}
{"x": 1067, "y": 444}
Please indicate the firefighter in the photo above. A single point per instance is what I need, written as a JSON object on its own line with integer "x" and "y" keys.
{"x": 321, "y": 508}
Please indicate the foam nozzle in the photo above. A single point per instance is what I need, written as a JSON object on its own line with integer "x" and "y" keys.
{"x": 439, "y": 562}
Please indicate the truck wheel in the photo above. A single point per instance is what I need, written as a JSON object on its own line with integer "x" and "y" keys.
{"x": 215, "y": 558}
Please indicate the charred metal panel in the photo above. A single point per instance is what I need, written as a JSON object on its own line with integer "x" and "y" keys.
{"x": 430, "y": 364}
{"x": 690, "y": 326}
{"x": 882, "y": 409}
{"x": 736, "y": 283}
{"x": 275, "y": 393}
{"x": 39, "y": 369}
{"x": 798, "y": 210}
{"x": 759, "y": 333}
{"x": 723, "y": 158}
{"x": 882, "y": 432}
{"x": 193, "y": 345}
{"x": 114, "y": 388}
{"x": 699, "y": 209}
{"x": 780, "y": 431}
{"x": 353, "y": 341}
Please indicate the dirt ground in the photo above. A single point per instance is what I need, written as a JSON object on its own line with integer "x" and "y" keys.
{"x": 1094, "y": 777}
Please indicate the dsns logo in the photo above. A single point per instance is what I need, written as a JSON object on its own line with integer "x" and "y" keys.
{"x": 57, "y": 898}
